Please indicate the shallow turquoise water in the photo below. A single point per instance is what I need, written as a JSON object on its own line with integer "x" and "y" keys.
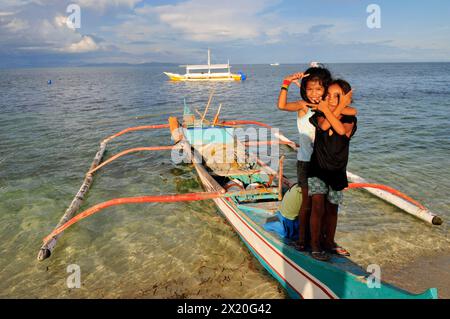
{"x": 49, "y": 135}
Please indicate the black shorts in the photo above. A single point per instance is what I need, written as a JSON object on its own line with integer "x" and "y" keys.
{"x": 302, "y": 173}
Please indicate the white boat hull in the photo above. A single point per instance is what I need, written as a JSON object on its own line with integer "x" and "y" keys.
{"x": 203, "y": 77}
{"x": 297, "y": 279}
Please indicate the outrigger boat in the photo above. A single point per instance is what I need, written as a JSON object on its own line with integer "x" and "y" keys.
{"x": 203, "y": 72}
{"x": 247, "y": 193}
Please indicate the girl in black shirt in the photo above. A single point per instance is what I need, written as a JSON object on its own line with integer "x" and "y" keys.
{"x": 328, "y": 167}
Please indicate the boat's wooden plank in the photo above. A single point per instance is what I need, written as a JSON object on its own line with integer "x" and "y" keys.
{"x": 201, "y": 170}
{"x": 235, "y": 172}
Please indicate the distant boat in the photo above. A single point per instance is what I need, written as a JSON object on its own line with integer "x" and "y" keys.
{"x": 204, "y": 73}
{"x": 275, "y": 64}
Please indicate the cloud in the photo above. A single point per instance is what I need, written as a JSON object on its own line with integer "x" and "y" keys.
{"x": 16, "y": 25}
{"x": 60, "y": 21}
{"x": 103, "y": 4}
{"x": 86, "y": 44}
{"x": 47, "y": 36}
{"x": 246, "y": 31}
{"x": 14, "y": 3}
{"x": 212, "y": 21}
{"x": 320, "y": 27}
{"x": 6, "y": 13}
{"x": 182, "y": 31}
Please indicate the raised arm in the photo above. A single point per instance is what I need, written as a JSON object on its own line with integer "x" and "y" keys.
{"x": 342, "y": 108}
{"x": 330, "y": 118}
{"x": 283, "y": 104}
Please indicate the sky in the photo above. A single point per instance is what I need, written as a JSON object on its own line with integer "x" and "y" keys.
{"x": 35, "y": 33}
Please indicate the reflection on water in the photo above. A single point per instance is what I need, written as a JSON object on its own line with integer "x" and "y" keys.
{"x": 50, "y": 133}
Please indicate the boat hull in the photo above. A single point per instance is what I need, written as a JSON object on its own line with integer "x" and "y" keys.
{"x": 203, "y": 77}
{"x": 297, "y": 282}
{"x": 300, "y": 274}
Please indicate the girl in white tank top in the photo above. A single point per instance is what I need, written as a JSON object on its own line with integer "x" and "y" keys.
{"x": 313, "y": 89}
{"x": 307, "y": 134}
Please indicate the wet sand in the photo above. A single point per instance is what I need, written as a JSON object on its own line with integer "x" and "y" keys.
{"x": 420, "y": 274}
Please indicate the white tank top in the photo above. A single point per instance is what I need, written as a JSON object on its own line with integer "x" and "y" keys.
{"x": 307, "y": 135}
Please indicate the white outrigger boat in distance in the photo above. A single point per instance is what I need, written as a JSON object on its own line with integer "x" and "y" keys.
{"x": 203, "y": 72}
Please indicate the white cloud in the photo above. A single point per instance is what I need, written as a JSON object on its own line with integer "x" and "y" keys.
{"x": 60, "y": 20}
{"x": 6, "y": 13}
{"x": 86, "y": 44}
{"x": 175, "y": 31}
{"x": 181, "y": 31}
{"x": 204, "y": 20}
{"x": 13, "y": 3}
{"x": 16, "y": 25}
{"x": 102, "y": 4}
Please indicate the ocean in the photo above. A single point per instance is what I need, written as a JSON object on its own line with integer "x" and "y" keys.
{"x": 49, "y": 134}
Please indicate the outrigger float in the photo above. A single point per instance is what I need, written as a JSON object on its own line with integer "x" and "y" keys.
{"x": 247, "y": 193}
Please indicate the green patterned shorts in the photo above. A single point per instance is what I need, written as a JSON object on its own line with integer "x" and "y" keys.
{"x": 316, "y": 186}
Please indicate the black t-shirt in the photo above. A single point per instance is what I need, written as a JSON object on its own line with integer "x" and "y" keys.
{"x": 330, "y": 155}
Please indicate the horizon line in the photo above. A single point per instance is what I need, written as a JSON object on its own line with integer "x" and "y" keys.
{"x": 125, "y": 64}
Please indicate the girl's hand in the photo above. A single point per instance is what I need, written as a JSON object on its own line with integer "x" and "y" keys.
{"x": 346, "y": 99}
{"x": 294, "y": 78}
{"x": 323, "y": 105}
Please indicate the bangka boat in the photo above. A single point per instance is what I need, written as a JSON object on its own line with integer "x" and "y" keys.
{"x": 248, "y": 193}
{"x": 207, "y": 72}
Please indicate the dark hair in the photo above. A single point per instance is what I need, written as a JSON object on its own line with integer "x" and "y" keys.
{"x": 320, "y": 74}
{"x": 344, "y": 85}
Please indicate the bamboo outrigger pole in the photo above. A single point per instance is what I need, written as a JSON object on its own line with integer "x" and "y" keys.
{"x": 386, "y": 193}
{"x": 396, "y": 198}
{"x": 46, "y": 249}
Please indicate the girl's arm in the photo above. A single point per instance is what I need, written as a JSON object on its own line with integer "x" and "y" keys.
{"x": 342, "y": 108}
{"x": 344, "y": 105}
{"x": 349, "y": 110}
{"x": 346, "y": 111}
{"x": 349, "y": 129}
{"x": 330, "y": 119}
{"x": 283, "y": 104}
{"x": 290, "y": 106}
